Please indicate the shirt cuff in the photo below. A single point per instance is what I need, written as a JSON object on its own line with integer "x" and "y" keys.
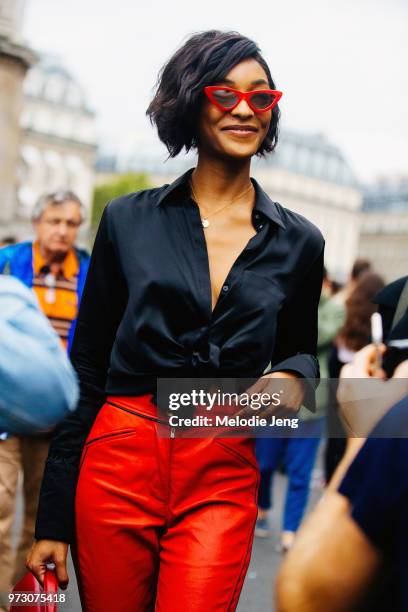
{"x": 306, "y": 366}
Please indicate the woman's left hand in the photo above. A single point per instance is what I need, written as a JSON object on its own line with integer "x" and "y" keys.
{"x": 287, "y": 386}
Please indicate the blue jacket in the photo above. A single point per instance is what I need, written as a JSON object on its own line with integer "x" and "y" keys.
{"x": 38, "y": 392}
{"x": 17, "y": 260}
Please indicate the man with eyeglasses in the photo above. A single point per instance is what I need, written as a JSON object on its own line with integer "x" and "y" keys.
{"x": 56, "y": 270}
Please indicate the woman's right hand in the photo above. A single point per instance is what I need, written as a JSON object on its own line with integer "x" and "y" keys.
{"x": 49, "y": 551}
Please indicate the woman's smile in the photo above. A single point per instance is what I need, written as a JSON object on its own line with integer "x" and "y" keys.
{"x": 241, "y": 131}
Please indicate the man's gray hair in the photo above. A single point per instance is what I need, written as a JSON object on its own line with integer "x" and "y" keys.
{"x": 54, "y": 199}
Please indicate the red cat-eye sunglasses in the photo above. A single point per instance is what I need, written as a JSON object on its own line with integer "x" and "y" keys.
{"x": 227, "y": 98}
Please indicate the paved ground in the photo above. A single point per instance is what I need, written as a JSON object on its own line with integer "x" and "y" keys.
{"x": 257, "y": 592}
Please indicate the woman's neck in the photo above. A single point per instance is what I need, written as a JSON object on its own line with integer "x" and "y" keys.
{"x": 218, "y": 182}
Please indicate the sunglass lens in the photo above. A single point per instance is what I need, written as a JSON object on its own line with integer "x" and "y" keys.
{"x": 225, "y": 98}
{"x": 262, "y": 100}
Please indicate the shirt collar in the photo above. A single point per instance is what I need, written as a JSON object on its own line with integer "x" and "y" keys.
{"x": 268, "y": 207}
{"x": 181, "y": 181}
{"x": 69, "y": 266}
{"x": 263, "y": 202}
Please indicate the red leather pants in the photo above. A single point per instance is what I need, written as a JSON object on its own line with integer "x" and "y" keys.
{"x": 163, "y": 523}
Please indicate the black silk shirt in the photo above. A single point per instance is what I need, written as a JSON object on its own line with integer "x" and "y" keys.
{"x": 146, "y": 313}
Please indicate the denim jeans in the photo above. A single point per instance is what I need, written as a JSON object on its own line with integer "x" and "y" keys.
{"x": 297, "y": 454}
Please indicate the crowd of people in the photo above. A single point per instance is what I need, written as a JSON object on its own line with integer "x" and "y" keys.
{"x": 170, "y": 289}
{"x": 344, "y": 318}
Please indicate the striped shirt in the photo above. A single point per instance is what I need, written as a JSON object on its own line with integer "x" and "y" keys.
{"x": 57, "y": 295}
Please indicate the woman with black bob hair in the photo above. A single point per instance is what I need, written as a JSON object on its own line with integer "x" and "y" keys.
{"x": 206, "y": 59}
{"x": 206, "y": 277}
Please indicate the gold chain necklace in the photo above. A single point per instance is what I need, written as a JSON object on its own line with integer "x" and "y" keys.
{"x": 204, "y": 220}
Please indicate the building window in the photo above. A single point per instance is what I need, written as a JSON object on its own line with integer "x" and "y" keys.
{"x": 33, "y": 83}
{"x": 333, "y": 168}
{"x": 30, "y": 155}
{"x": 318, "y": 164}
{"x": 55, "y": 176}
{"x": 286, "y": 154}
{"x": 42, "y": 121}
{"x": 74, "y": 168}
{"x": 84, "y": 131}
{"x": 54, "y": 89}
{"x": 74, "y": 96}
{"x": 302, "y": 160}
{"x": 64, "y": 125}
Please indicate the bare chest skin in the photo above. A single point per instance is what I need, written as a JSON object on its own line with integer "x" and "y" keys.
{"x": 226, "y": 237}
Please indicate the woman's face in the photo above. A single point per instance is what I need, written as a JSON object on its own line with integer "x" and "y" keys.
{"x": 217, "y": 135}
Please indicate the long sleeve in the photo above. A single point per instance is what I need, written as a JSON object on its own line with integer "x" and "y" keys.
{"x": 103, "y": 302}
{"x": 296, "y": 341}
{"x": 38, "y": 392}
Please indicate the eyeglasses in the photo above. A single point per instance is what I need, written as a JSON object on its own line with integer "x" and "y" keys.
{"x": 226, "y": 98}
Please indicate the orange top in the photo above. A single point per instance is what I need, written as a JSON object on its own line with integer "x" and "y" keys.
{"x": 57, "y": 295}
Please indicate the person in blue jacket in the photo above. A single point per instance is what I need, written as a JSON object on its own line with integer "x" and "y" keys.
{"x": 52, "y": 264}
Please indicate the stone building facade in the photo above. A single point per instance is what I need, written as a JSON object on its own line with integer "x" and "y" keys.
{"x": 47, "y": 130}
{"x": 384, "y": 227}
{"x": 58, "y": 142}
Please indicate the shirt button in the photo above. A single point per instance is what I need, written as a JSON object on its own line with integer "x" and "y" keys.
{"x": 225, "y": 288}
{"x": 256, "y": 215}
{"x": 261, "y": 226}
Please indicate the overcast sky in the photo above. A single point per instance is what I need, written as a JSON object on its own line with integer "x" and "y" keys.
{"x": 342, "y": 64}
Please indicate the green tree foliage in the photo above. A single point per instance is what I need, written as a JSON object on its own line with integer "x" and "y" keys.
{"x": 120, "y": 185}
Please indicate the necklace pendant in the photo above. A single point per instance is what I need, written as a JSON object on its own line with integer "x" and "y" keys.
{"x": 205, "y": 222}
